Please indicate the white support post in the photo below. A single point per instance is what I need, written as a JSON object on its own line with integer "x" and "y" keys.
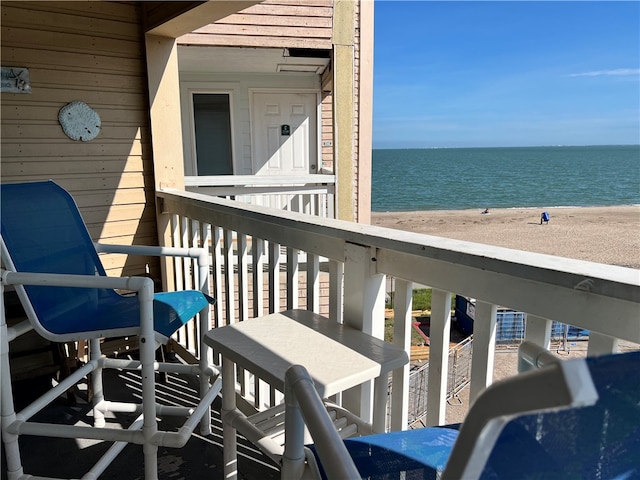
{"x": 363, "y": 310}
{"x": 440, "y": 334}
{"x": 538, "y": 331}
{"x": 600, "y": 344}
{"x": 484, "y": 346}
{"x": 402, "y": 301}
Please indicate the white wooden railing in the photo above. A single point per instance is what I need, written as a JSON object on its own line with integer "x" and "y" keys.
{"x": 265, "y": 260}
{"x": 311, "y": 194}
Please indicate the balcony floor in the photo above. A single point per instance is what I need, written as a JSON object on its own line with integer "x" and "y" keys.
{"x": 71, "y": 458}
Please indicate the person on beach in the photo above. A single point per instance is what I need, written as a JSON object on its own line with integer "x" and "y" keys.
{"x": 544, "y": 217}
{"x": 486, "y": 210}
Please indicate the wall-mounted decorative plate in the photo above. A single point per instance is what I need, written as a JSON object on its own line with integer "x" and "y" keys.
{"x": 79, "y": 121}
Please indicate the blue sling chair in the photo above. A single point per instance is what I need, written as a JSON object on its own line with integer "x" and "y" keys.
{"x": 48, "y": 255}
{"x": 577, "y": 419}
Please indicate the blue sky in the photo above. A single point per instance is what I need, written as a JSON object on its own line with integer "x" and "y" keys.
{"x": 506, "y": 73}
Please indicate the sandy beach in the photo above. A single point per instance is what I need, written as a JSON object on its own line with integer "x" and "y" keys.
{"x": 609, "y": 235}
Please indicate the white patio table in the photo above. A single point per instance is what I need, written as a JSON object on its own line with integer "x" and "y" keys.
{"x": 336, "y": 356}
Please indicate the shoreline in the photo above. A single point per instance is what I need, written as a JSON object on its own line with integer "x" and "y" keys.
{"x": 470, "y": 210}
{"x": 609, "y": 235}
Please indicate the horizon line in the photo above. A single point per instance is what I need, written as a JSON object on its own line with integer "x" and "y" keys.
{"x": 513, "y": 146}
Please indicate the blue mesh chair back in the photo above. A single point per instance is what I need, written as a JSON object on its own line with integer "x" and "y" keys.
{"x": 43, "y": 232}
{"x": 597, "y": 442}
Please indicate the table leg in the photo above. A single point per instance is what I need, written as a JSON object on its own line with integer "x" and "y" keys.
{"x": 380, "y": 385}
{"x": 229, "y": 439}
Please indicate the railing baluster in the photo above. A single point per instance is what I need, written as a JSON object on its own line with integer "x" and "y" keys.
{"x": 336, "y": 297}
{"x": 177, "y": 262}
{"x": 194, "y": 241}
{"x": 439, "y": 334}
{"x": 313, "y": 283}
{"x": 293, "y": 274}
{"x": 257, "y": 248}
{"x": 229, "y": 284}
{"x": 402, "y": 303}
{"x": 538, "y": 331}
{"x": 217, "y": 261}
{"x": 601, "y": 344}
{"x": 274, "y": 277}
{"x": 186, "y": 262}
{"x": 484, "y": 346}
{"x": 243, "y": 273}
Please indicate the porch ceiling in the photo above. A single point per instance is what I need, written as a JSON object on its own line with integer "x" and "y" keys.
{"x": 245, "y": 60}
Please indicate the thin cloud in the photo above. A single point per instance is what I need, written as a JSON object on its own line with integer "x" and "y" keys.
{"x": 608, "y": 73}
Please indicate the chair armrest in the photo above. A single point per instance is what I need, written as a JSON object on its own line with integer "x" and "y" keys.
{"x": 155, "y": 251}
{"x": 559, "y": 385}
{"x": 136, "y": 284}
{"x": 532, "y": 356}
{"x": 304, "y": 406}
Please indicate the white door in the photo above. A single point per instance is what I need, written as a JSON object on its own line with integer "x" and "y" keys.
{"x": 285, "y": 134}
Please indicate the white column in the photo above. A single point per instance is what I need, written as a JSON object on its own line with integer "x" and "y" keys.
{"x": 364, "y": 310}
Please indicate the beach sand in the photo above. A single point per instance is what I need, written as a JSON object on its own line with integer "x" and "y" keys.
{"x": 609, "y": 235}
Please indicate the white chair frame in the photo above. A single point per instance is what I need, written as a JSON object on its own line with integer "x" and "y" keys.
{"x": 144, "y": 430}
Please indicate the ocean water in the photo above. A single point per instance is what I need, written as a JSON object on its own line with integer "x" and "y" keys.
{"x": 510, "y": 177}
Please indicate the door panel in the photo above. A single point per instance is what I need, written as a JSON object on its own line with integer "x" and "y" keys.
{"x": 278, "y": 150}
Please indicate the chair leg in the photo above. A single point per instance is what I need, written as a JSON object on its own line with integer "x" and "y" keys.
{"x": 96, "y": 383}
{"x": 205, "y": 361}
{"x": 7, "y": 407}
{"x": 161, "y": 356}
{"x": 149, "y": 407}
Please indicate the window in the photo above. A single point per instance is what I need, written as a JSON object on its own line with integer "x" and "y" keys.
{"x": 212, "y": 122}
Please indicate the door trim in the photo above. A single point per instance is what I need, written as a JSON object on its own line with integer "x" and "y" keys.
{"x": 189, "y": 93}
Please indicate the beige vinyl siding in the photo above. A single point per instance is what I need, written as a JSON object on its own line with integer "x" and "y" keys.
{"x": 93, "y": 52}
{"x": 272, "y": 23}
